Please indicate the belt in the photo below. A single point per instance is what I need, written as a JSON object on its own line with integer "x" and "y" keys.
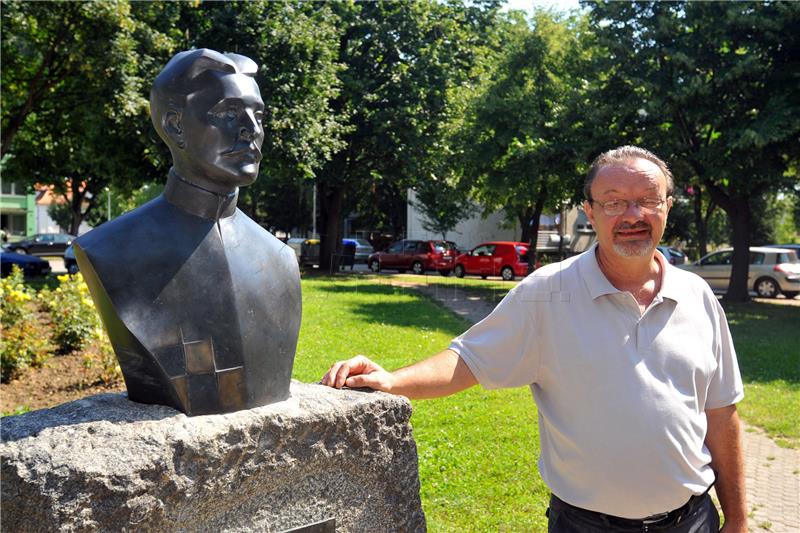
{"x": 655, "y": 521}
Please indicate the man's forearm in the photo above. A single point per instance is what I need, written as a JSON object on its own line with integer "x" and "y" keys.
{"x": 441, "y": 375}
{"x": 724, "y": 441}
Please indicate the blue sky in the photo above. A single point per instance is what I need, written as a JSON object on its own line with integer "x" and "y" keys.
{"x": 528, "y": 5}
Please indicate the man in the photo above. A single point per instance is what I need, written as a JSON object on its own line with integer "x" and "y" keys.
{"x": 630, "y": 362}
{"x": 201, "y": 304}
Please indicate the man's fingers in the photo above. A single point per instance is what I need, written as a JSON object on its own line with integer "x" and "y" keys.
{"x": 340, "y": 371}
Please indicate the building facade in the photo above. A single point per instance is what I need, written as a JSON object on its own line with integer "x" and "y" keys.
{"x": 577, "y": 231}
{"x": 17, "y": 211}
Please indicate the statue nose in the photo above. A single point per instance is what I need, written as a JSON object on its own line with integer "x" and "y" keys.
{"x": 246, "y": 133}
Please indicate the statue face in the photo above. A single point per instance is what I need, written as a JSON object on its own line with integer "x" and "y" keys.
{"x": 222, "y": 133}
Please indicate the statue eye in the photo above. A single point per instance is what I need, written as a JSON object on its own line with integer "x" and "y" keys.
{"x": 228, "y": 113}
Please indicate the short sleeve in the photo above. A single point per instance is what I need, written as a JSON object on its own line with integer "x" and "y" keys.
{"x": 498, "y": 349}
{"x": 725, "y": 387}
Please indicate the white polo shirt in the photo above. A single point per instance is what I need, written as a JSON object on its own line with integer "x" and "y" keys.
{"x": 621, "y": 394}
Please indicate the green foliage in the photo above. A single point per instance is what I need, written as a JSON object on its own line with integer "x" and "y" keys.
{"x": 75, "y": 320}
{"x": 768, "y": 358}
{"x": 522, "y": 142}
{"x": 712, "y": 87}
{"x": 24, "y": 341}
{"x": 101, "y": 355}
{"x": 295, "y": 46}
{"x": 443, "y": 205}
{"x": 61, "y": 213}
{"x": 400, "y": 62}
{"x": 76, "y": 77}
{"x": 779, "y": 218}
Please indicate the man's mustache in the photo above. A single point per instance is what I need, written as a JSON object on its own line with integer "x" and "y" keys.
{"x": 635, "y": 226}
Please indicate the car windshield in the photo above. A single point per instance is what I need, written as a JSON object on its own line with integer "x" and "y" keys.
{"x": 788, "y": 257}
{"x": 442, "y": 246}
{"x": 523, "y": 253}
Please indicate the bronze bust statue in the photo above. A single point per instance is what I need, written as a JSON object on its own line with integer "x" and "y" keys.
{"x": 201, "y": 304}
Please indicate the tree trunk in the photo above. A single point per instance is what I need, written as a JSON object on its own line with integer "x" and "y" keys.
{"x": 534, "y": 237}
{"x": 525, "y": 223}
{"x": 76, "y": 204}
{"x": 739, "y": 290}
{"x": 331, "y": 200}
{"x": 700, "y": 224}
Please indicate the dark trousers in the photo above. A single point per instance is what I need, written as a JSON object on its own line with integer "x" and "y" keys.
{"x": 698, "y": 516}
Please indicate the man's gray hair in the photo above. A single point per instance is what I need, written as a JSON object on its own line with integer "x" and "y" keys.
{"x": 622, "y": 155}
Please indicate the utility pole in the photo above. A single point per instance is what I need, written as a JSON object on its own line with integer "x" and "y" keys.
{"x": 314, "y": 213}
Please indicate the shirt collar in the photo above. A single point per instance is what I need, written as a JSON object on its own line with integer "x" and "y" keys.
{"x": 598, "y": 285}
{"x": 595, "y": 280}
{"x": 199, "y": 201}
{"x": 670, "y": 281}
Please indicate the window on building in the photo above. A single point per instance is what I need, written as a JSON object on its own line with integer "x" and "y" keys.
{"x": 12, "y": 189}
{"x": 14, "y": 223}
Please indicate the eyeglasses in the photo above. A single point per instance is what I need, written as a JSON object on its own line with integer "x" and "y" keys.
{"x": 613, "y": 208}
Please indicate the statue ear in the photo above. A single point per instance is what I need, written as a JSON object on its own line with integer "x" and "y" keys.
{"x": 171, "y": 122}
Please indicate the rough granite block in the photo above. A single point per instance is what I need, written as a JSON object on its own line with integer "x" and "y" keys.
{"x": 105, "y": 463}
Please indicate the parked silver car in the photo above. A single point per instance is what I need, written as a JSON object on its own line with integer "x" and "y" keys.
{"x": 772, "y": 271}
{"x": 363, "y": 249}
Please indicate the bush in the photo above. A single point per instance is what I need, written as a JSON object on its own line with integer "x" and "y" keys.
{"x": 25, "y": 341}
{"x": 75, "y": 320}
{"x": 102, "y": 354}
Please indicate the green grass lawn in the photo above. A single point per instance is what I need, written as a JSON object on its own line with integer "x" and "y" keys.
{"x": 765, "y": 336}
{"x": 478, "y": 449}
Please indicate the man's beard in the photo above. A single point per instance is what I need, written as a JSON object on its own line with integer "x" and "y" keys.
{"x": 638, "y": 248}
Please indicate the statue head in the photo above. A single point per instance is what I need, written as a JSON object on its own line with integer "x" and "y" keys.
{"x": 207, "y": 107}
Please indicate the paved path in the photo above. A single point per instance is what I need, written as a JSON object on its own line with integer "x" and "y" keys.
{"x": 772, "y": 473}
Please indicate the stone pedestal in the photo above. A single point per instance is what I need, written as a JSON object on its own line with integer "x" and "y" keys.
{"x": 105, "y": 463}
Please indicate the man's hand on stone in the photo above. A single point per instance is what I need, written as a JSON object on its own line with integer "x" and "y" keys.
{"x": 358, "y": 372}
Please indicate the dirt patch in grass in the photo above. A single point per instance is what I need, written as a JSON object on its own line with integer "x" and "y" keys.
{"x": 64, "y": 378}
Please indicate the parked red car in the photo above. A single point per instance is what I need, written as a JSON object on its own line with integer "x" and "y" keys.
{"x": 417, "y": 256}
{"x": 505, "y": 259}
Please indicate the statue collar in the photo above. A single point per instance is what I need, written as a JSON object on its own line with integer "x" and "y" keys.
{"x": 199, "y": 201}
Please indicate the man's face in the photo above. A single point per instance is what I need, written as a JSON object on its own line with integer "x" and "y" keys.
{"x": 223, "y": 133}
{"x": 634, "y": 233}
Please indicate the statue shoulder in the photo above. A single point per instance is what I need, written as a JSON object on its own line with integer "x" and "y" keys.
{"x": 266, "y": 240}
{"x": 115, "y": 234}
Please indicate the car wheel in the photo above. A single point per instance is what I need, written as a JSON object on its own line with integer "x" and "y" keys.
{"x": 790, "y": 294}
{"x": 73, "y": 269}
{"x": 375, "y": 265}
{"x": 507, "y": 273}
{"x": 766, "y": 288}
{"x": 444, "y": 272}
{"x": 459, "y": 271}
{"x": 417, "y": 268}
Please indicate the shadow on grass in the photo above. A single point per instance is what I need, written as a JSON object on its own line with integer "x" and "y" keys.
{"x": 442, "y": 289}
{"x": 766, "y": 341}
{"x": 422, "y": 314}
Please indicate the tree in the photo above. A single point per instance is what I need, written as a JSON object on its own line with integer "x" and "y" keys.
{"x": 442, "y": 205}
{"x": 294, "y": 44}
{"x": 522, "y": 144}
{"x": 75, "y": 111}
{"x": 399, "y": 60}
{"x": 712, "y": 86}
